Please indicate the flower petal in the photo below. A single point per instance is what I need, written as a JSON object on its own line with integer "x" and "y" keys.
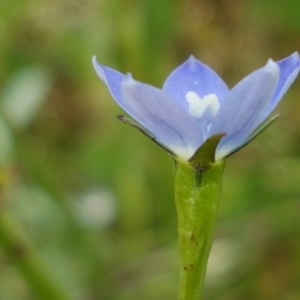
{"x": 112, "y": 79}
{"x": 194, "y": 76}
{"x": 171, "y": 125}
{"x": 289, "y": 69}
{"x": 239, "y": 113}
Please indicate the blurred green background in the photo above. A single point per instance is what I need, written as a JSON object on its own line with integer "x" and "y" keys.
{"x": 87, "y": 200}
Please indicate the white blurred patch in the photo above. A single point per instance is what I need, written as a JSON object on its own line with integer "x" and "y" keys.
{"x": 96, "y": 208}
{"x": 198, "y": 106}
{"x": 225, "y": 256}
{"x": 24, "y": 95}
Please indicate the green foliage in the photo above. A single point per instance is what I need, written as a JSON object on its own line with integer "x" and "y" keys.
{"x": 93, "y": 198}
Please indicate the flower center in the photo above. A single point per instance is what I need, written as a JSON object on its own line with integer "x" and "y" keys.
{"x": 209, "y": 104}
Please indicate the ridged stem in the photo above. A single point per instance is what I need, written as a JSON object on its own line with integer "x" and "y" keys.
{"x": 197, "y": 195}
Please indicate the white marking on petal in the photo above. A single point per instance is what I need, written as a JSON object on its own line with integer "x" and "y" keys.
{"x": 98, "y": 69}
{"x": 223, "y": 151}
{"x": 198, "y": 106}
{"x": 185, "y": 153}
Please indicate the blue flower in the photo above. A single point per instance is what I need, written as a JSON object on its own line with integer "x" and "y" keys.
{"x": 195, "y": 104}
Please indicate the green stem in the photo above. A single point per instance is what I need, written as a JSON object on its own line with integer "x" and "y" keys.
{"x": 197, "y": 195}
{"x": 26, "y": 260}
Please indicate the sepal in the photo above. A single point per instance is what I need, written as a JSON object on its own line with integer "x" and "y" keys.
{"x": 205, "y": 155}
{"x": 143, "y": 131}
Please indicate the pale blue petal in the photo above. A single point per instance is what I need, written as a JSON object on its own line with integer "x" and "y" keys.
{"x": 156, "y": 111}
{"x": 289, "y": 69}
{"x": 162, "y": 116}
{"x": 246, "y": 101}
{"x": 112, "y": 79}
{"x": 194, "y": 76}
